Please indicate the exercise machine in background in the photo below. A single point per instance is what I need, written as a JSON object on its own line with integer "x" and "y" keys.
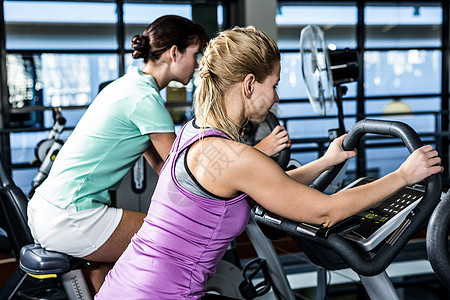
{"x": 46, "y": 150}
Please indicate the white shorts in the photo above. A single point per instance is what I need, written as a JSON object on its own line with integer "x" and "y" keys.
{"x": 77, "y": 233}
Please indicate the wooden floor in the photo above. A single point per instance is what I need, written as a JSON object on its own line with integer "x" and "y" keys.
{"x": 7, "y": 267}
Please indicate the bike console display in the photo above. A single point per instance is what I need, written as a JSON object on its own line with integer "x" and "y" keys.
{"x": 380, "y": 221}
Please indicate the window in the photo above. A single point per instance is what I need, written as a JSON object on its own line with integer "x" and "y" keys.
{"x": 401, "y": 59}
{"x": 398, "y": 25}
{"x": 308, "y": 130}
{"x": 60, "y": 25}
{"x": 137, "y": 16}
{"x": 58, "y": 54}
{"x": 402, "y": 72}
{"x": 339, "y": 22}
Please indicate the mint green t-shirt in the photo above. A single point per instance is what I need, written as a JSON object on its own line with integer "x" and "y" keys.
{"x": 107, "y": 141}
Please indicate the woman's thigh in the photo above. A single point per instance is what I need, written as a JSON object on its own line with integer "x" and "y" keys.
{"x": 111, "y": 250}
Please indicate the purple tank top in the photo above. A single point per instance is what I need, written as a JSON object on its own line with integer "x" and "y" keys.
{"x": 183, "y": 238}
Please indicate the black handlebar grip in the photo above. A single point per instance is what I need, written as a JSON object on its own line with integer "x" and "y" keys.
{"x": 285, "y": 154}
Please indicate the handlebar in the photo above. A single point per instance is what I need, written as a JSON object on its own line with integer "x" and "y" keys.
{"x": 362, "y": 262}
{"x": 377, "y": 263}
{"x": 285, "y": 154}
{"x": 390, "y": 128}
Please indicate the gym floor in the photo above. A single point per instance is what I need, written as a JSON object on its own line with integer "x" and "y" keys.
{"x": 411, "y": 275}
{"x": 423, "y": 286}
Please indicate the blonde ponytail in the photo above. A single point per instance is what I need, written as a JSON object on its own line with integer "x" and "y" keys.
{"x": 228, "y": 58}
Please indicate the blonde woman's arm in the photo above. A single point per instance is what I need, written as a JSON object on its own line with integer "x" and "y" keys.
{"x": 243, "y": 169}
{"x": 334, "y": 155}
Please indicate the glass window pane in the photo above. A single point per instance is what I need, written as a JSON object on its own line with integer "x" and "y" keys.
{"x": 56, "y": 80}
{"x": 73, "y": 79}
{"x": 137, "y": 16}
{"x": 417, "y": 25}
{"x": 21, "y": 80}
{"x": 289, "y": 110}
{"x": 403, "y": 105}
{"x": 23, "y": 144}
{"x": 338, "y": 23}
{"x": 60, "y": 25}
{"x": 291, "y": 85}
{"x": 421, "y": 123}
{"x": 130, "y": 61}
{"x": 381, "y": 161}
{"x": 315, "y": 128}
{"x": 63, "y": 79}
{"x": 319, "y": 15}
{"x": 402, "y": 72}
{"x": 72, "y": 117}
{"x": 23, "y": 178}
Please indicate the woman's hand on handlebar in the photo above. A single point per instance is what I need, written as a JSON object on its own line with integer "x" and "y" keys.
{"x": 420, "y": 164}
{"x": 276, "y": 141}
{"x": 336, "y": 154}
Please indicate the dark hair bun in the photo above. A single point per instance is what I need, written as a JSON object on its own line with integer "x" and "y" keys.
{"x": 140, "y": 46}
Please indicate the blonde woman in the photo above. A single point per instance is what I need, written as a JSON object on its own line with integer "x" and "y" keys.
{"x": 202, "y": 200}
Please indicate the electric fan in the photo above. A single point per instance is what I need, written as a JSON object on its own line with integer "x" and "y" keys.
{"x": 316, "y": 69}
{"x": 323, "y": 70}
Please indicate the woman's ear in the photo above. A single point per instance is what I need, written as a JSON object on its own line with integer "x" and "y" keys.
{"x": 248, "y": 85}
{"x": 173, "y": 53}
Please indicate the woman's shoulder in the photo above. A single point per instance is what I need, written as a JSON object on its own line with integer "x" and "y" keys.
{"x": 220, "y": 150}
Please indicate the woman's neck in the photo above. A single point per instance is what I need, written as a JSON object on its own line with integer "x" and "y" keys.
{"x": 159, "y": 71}
{"x": 235, "y": 107}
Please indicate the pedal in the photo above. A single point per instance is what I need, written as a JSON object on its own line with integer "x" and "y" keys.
{"x": 247, "y": 288}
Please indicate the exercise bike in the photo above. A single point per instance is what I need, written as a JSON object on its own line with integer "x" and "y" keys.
{"x": 366, "y": 243}
{"x": 41, "y": 274}
{"x": 51, "y": 271}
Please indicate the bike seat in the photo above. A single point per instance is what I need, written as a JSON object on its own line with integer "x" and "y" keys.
{"x": 36, "y": 260}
